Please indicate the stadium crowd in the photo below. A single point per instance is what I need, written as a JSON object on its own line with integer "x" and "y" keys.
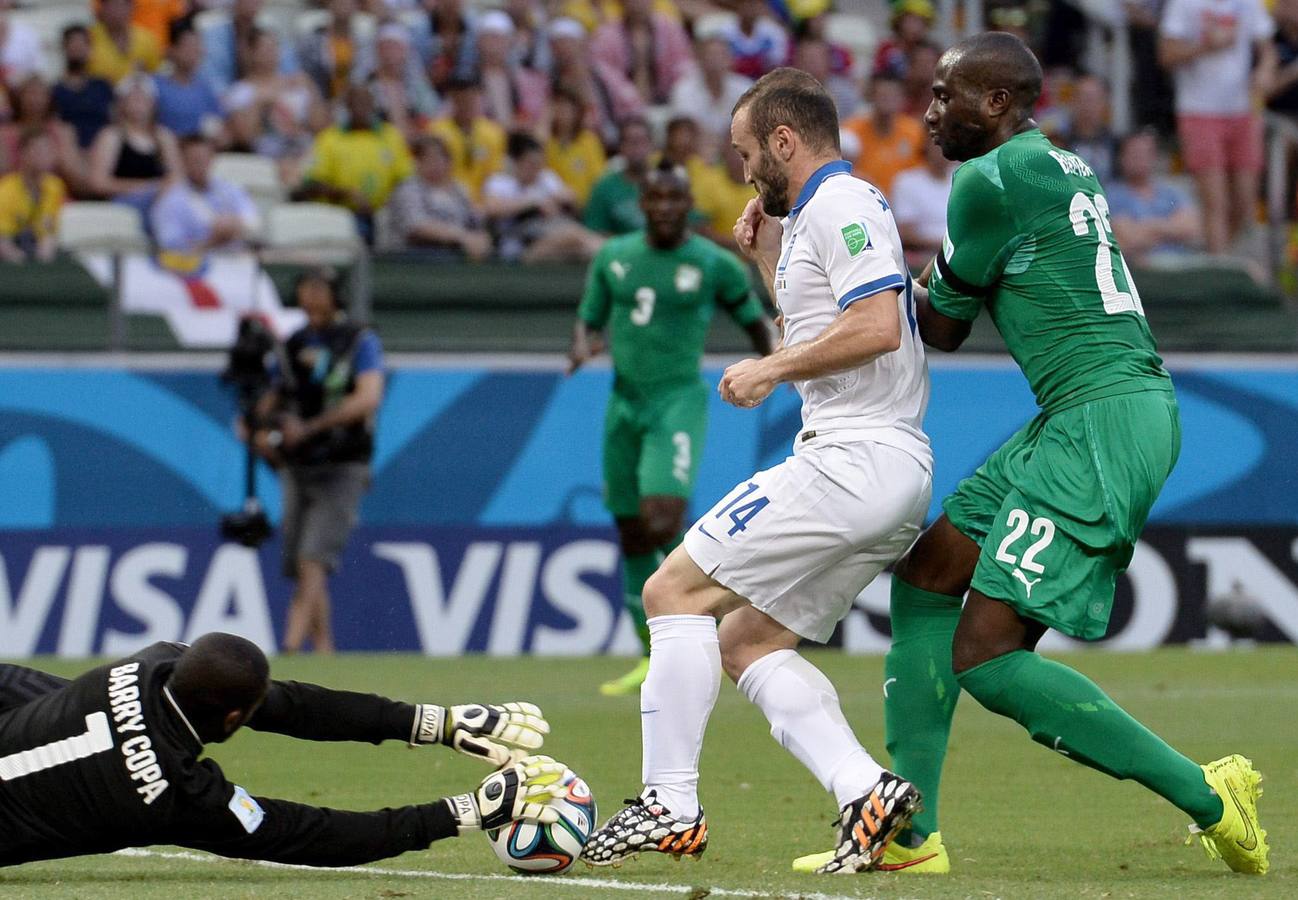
{"x": 521, "y": 130}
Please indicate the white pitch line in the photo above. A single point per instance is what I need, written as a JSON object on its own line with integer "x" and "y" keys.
{"x": 577, "y": 883}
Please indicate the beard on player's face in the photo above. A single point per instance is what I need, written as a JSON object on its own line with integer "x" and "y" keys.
{"x": 772, "y": 183}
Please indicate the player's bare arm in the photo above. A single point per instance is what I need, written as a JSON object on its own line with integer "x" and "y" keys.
{"x": 936, "y": 330}
{"x": 865, "y": 331}
{"x": 758, "y": 236}
{"x": 587, "y": 343}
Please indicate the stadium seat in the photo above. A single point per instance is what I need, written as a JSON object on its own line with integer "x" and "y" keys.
{"x": 257, "y": 175}
{"x": 48, "y": 21}
{"x": 104, "y": 227}
{"x": 855, "y": 32}
{"x": 311, "y": 233}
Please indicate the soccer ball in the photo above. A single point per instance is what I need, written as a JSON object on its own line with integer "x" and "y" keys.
{"x": 549, "y": 849}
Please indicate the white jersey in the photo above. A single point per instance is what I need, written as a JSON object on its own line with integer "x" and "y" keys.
{"x": 840, "y": 246}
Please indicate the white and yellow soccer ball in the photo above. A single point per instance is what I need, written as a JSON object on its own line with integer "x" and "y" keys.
{"x": 536, "y": 849}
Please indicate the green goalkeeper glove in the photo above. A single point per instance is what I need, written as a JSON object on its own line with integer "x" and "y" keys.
{"x": 519, "y": 791}
{"x": 496, "y": 734}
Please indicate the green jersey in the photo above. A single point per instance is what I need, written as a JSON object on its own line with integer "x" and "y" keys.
{"x": 658, "y": 304}
{"x": 1028, "y": 234}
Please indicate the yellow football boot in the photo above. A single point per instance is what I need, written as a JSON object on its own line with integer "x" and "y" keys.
{"x": 628, "y": 683}
{"x": 929, "y": 858}
{"x": 1238, "y": 840}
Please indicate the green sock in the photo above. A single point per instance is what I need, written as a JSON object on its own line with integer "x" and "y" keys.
{"x": 636, "y": 569}
{"x": 920, "y": 692}
{"x": 1064, "y": 710}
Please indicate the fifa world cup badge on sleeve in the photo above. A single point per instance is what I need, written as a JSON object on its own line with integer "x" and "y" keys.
{"x": 246, "y": 810}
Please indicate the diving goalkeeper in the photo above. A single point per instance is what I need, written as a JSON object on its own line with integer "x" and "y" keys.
{"x": 111, "y": 760}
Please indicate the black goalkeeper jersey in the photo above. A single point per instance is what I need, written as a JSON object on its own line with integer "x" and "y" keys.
{"x": 108, "y": 761}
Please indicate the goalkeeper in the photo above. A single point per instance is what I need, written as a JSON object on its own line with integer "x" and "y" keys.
{"x": 111, "y": 760}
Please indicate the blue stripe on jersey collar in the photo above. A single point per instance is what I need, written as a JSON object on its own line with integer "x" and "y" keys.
{"x": 809, "y": 189}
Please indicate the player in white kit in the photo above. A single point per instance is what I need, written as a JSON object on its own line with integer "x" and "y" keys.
{"x": 783, "y": 555}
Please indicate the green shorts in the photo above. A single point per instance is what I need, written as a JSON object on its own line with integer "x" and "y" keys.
{"x": 652, "y": 446}
{"x": 1058, "y": 508}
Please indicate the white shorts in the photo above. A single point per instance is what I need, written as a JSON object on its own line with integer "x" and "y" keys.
{"x": 799, "y": 541}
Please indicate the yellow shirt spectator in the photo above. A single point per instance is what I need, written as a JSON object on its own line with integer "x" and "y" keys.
{"x": 23, "y": 215}
{"x": 579, "y": 163}
{"x": 475, "y": 155}
{"x": 717, "y": 197}
{"x": 367, "y": 161}
{"x": 107, "y": 60}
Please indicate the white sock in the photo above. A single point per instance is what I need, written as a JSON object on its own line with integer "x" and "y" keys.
{"x": 802, "y": 707}
{"x": 675, "y": 701}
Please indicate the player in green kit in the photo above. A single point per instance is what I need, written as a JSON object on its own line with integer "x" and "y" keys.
{"x": 1039, "y": 533}
{"x": 655, "y": 291}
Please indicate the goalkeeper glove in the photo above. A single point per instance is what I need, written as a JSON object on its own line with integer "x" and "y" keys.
{"x": 519, "y": 791}
{"x": 493, "y": 733}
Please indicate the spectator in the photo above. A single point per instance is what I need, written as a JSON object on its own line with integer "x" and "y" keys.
{"x": 80, "y": 99}
{"x": 118, "y": 46}
{"x": 1222, "y": 61}
{"x": 815, "y": 57}
{"x": 157, "y": 16}
{"x": 710, "y": 92}
{"x": 512, "y": 96}
{"x": 614, "y": 206}
{"x": 357, "y": 164}
{"x": 187, "y": 102}
{"x": 319, "y": 430}
{"x": 531, "y": 209}
{"x": 1152, "y": 99}
{"x": 1283, "y": 95}
{"x": 891, "y": 141}
{"x": 608, "y": 94}
{"x": 1151, "y": 217}
{"x": 911, "y": 22}
{"x": 918, "y": 201}
{"x": 400, "y": 87}
{"x": 272, "y": 113}
{"x": 133, "y": 156}
{"x": 573, "y": 151}
{"x": 197, "y": 212}
{"x": 446, "y": 43}
{"x": 20, "y": 50}
{"x": 720, "y": 195}
{"x": 682, "y": 146}
{"x": 337, "y": 53}
{"x": 228, "y": 46}
{"x": 531, "y": 49}
{"x": 432, "y": 211}
{"x": 757, "y": 41}
{"x": 1088, "y": 133}
{"x": 476, "y": 144}
{"x": 649, "y": 48}
{"x": 33, "y": 110}
{"x": 30, "y": 199}
{"x": 919, "y": 79}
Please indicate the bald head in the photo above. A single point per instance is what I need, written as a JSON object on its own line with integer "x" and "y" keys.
{"x": 996, "y": 60}
{"x": 984, "y": 90}
{"x": 219, "y": 682}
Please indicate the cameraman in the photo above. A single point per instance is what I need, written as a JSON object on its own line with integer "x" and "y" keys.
{"x": 316, "y": 425}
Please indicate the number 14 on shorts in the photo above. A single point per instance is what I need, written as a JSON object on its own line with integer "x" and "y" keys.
{"x": 740, "y": 512}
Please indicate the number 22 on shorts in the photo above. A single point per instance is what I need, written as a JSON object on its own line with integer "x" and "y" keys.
{"x": 1040, "y": 528}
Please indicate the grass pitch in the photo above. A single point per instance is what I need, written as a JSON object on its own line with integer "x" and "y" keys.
{"x": 1019, "y": 821}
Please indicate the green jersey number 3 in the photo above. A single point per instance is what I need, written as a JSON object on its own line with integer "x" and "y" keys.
{"x": 1082, "y": 212}
{"x": 645, "y": 298}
